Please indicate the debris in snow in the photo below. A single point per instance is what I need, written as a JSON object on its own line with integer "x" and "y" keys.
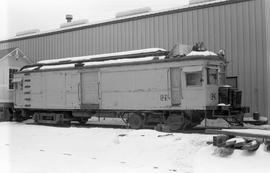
{"x": 168, "y": 134}
{"x": 236, "y": 142}
{"x": 122, "y": 135}
{"x": 223, "y": 152}
{"x": 67, "y": 154}
{"x": 251, "y": 146}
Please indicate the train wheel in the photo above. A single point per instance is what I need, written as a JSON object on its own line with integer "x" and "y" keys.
{"x": 82, "y": 120}
{"x": 175, "y": 122}
{"x": 135, "y": 121}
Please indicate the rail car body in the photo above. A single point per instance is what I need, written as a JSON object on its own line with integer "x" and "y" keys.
{"x": 178, "y": 90}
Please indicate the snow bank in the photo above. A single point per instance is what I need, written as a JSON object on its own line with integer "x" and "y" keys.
{"x": 208, "y": 160}
{"x": 43, "y": 149}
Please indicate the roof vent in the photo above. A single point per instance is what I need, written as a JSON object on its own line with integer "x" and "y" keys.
{"x": 74, "y": 23}
{"x": 69, "y": 18}
{"x": 27, "y": 32}
{"x": 191, "y": 2}
{"x": 133, "y": 12}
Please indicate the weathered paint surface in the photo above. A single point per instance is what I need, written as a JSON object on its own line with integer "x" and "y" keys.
{"x": 238, "y": 28}
{"x": 130, "y": 87}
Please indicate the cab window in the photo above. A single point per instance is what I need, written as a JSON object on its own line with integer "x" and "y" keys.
{"x": 212, "y": 76}
{"x": 194, "y": 78}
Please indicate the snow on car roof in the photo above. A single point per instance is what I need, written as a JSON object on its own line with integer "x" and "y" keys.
{"x": 70, "y": 59}
{"x": 96, "y": 63}
{"x": 202, "y": 53}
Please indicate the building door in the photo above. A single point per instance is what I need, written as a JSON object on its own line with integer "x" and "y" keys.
{"x": 176, "y": 89}
{"x": 89, "y": 86}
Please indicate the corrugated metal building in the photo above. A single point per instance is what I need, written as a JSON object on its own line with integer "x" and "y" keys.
{"x": 240, "y": 27}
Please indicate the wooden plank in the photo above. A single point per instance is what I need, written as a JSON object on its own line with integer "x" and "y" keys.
{"x": 241, "y": 132}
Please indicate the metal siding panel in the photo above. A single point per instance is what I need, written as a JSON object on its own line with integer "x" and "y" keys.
{"x": 211, "y": 44}
{"x": 206, "y": 27}
{"x": 222, "y": 24}
{"x": 100, "y": 40}
{"x": 241, "y": 57}
{"x": 247, "y": 62}
{"x": 156, "y": 31}
{"x": 129, "y": 35}
{"x": 161, "y": 32}
{"x": 126, "y": 35}
{"x": 252, "y": 54}
{"x": 94, "y": 42}
{"x": 123, "y": 35}
{"x": 118, "y": 37}
{"x": 266, "y": 31}
{"x": 216, "y": 29}
{"x": 165, "y": 32}
{"x": 200, "y": 25}
{"x": 147, "y": 33}
{"x": 260, "y": 58}
{"x": 76, "y": 43}
{"x": 228, "y": 48}
{"x": 152, "y": 33}
{"x": 189, "y": 28}
{"x": 185, "y": 28}
{"x": 135, "y": 35}
{"x": 234, "y": 40}
{"x": 142, "y": 33}
{"x": 195, "y": 26}
{"x": 174, "y": 30}
{"x": 139, "y": 32}
{"x": 180, "y": 27}
{"x": 108, "y": 38}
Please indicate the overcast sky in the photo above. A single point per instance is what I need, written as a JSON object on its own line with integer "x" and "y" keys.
{"x": 20, "y": 15}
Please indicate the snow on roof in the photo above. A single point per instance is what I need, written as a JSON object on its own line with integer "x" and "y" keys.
{"x": 95, "y": 63}
{"x": 70, "y": 59}
{"x": 201, "y": 53}
{"x": 122, "y": 18}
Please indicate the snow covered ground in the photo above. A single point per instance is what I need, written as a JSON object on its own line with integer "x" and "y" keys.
{"x": 44, "y": 149}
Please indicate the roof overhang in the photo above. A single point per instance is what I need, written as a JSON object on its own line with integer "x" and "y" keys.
{"x": 18, "y": 54}
{"x": 129, "y": 18}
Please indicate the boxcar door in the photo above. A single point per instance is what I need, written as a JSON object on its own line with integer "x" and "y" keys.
{"x": 73, "y": 89}
{"x": 89, "y": 86}
{"x": 176, "y": 89}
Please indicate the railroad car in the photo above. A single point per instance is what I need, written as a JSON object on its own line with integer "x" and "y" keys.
{"x": 144, "y": 87}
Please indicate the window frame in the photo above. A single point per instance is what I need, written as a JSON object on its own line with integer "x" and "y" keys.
{"x": 10, "y": 83}
{"x": 192, "y": 72}
{"x": 207, "y": 76}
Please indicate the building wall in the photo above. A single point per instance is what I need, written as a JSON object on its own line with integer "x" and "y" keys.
{"x": 238, "y": 28}
{"x": 267, "y": 26}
